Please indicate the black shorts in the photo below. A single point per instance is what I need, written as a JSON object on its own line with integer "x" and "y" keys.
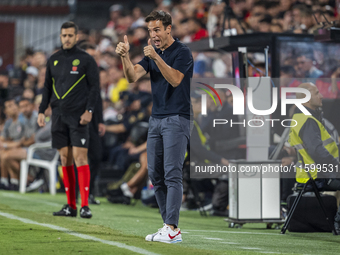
{"x": 67, "y": 131}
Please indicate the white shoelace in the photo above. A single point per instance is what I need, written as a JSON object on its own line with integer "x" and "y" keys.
{"x": 164, "y": 229}
{"x": 160, "y": 229}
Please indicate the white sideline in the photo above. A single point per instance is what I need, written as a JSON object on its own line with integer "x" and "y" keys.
{"x": 29, "y": 199}
{"x": 231, "y": 232}
{"x": 67, "y": 231}
{"x": 212, "y": 238}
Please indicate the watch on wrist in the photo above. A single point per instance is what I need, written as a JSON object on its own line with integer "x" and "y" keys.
{"x": 90, "y": 111}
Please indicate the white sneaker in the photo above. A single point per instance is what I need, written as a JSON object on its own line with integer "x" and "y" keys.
{"x": 165, "y": 235}
{"x": 151, "y": 236}
{"x": 35, "y": 185}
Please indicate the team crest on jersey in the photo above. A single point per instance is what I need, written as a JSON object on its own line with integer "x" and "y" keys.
{"x": 74, "y": 70}
{"x": 76, "y": 62}
{"x": 55, "y": 62}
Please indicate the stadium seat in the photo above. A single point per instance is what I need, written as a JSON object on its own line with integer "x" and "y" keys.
{"x": 51, "y": 166}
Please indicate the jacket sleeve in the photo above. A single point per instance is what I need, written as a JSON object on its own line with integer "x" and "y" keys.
{"x": 311, "y": 137}
{"x": 92, "y": 75}
{"x": 47, "y": 91}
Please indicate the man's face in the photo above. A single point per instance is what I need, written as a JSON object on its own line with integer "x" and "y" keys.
{"x": 11, "y": 108}
{"x": 68, "y": 38}
{"x": 304, "y": 64}
{"x": 316, "y": 97}
{"x": 158, "y": 34}
{"x": 26, "y": 108}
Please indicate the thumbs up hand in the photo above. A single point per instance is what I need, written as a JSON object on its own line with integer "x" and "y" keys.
{"x": 123, "y": 47}
{"x": 149, "y": 51}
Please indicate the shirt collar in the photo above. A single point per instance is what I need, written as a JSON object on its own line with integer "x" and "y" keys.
{"x": 170, "y": 48}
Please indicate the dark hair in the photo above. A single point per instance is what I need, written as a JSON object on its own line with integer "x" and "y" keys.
{"x": 160, "y": 15}
{"x": 26, "y": 99}
{"x": 306, "y": 54}
{"x": 266, "y": 19}
{"x": 86, "y": 45}
{"x": 69, "y": 24}
{"x": 272, "y": 5}
{"x": 11, "y": 99}
{"x": 260, "y": 4}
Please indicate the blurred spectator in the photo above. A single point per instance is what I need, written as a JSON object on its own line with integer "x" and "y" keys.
{"x": 108, "y": 36}
{"x": 115, "y": 14}
{"x": 222, "y": 66}
{"x": 273, "y": 8}
{"x": 4, "y": 80}
{"x": 83, "y": 35}
{"x": 196, "y": 29}
{"x": 307, "y": 20}
{"x": 139, "y": 108}
{"x": 276, "y": 28}
{"x": 296, "y": 14}
{"x": 28, "y": 93}
{"x": 44, "y": 134}
{"x": 108, "y": 59}
{"x": 138, "y": 18}
{"x": 306, "y": 66}
{"x": 288, "y": 77}
{"x": 32, "y": 76}
{"x": 256, "y": 14}
{"x": 41, "y": 80}
{"x": 104, "y": 83}
{"x": 38, "y": 60}
{"x": 11, "y": 137}
{"x": 328, "y": 87}
{"x": 117, "y": 82}
{"x": 109, "y": 113}
{"x": 265, "y": 24}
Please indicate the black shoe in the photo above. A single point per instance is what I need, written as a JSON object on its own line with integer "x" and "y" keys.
{"x": 66, "y": 211}
{"x": 219, "y": 213}
{"x": 85, "y": 212}
{"x": 14, "y": 187}
{"x": 93, "y": 201}
{"x": 119, "y": 200}
{"x": 4, "y": 187}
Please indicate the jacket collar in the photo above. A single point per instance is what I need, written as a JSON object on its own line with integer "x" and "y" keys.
{"x": 70, "y": 51}
{"x": 315, "y": 113}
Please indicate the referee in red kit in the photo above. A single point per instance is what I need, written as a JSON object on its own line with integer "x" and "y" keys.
{"x": 72, "y": 88}
{"x": 170, "y": 65}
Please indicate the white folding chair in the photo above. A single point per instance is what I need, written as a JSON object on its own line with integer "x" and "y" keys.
{"x": 51, "y": 166}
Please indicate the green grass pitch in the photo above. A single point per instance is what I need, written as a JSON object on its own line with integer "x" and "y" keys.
{"x": 128, "y": 225}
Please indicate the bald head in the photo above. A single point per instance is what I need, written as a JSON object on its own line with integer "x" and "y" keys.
{"x": 308, "y": 85}
{"x": 316, "y": 98}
